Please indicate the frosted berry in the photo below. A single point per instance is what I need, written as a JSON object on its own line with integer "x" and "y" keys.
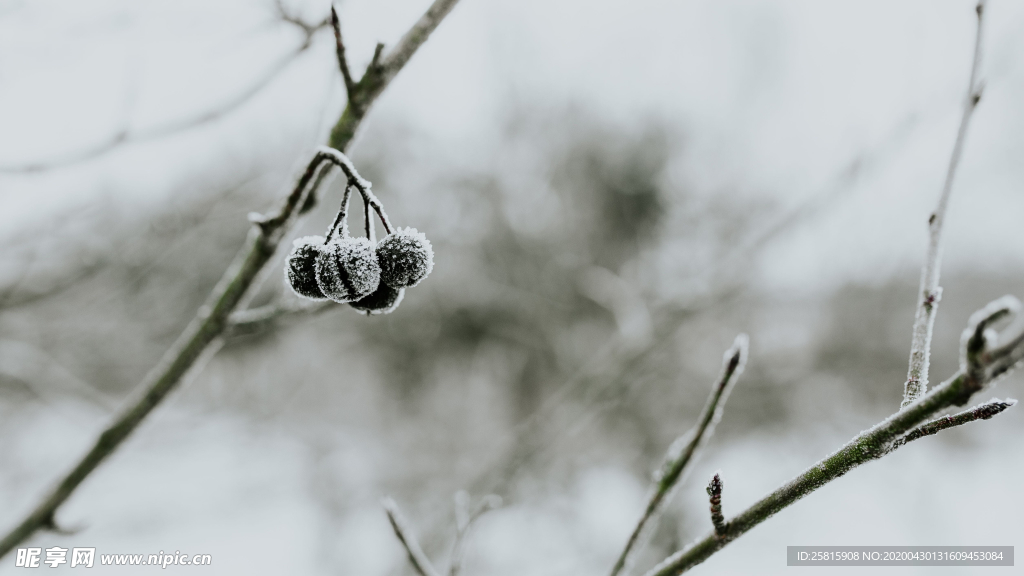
{"x": 301, "y": 268}
{"x": 405, "y": 257}
{"x": 347, "y": 269}
{"x": 384, "y": 300}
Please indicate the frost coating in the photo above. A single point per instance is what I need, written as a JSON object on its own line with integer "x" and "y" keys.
{"x": 301, "y": 269}
{"x": 347, "y": 269}
{"x": 383, "y": 300}
{"x": 405, "y": 257}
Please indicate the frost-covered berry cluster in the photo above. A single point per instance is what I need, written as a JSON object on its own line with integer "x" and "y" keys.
{"x": 367, "y": 275}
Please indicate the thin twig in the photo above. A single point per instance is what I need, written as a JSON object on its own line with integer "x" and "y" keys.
{"x": 869, "y": 445}
{"x": 417, "y": 557}
{"x": 309, "y": 29}
{"x": 979, "y": 412}
{"x": 368, "y": 226}
{"x": 203, "y": 335}
{"x": 127, "y": 136}
{"x": 683, "y": 452}
{"x": 374, "y": 203}
{"x": 342, "y": 216}
{"x": 464, "y": 519}
{"x": 714, "y": 490}
{"x": 350, "y": 85}
{"x": 381, "y": 72}
{"x": 930, "y": 292}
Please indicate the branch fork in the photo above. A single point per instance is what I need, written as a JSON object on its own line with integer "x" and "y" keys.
{"x": 202, "y": 337}
{"x": 465, "y": 516}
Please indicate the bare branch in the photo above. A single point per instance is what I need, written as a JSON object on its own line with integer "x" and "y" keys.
{"x": 127, "y": 136}
{"x": 267, "y": 315}
{"x": 683, "y": 452}
{"x": 416, "y": 36}
{"x": 879, "y": 440}
{"x": 308, "y": 29}
{"x": 417, "y": 558}
{"x": 714, "y": 490}
{"x": 350, "y": 85}
{"x": 930, "y": 292}
{"x": 464, "y": 519}
{"x": 979, "y": 412}
{"x": 381, "y": 71}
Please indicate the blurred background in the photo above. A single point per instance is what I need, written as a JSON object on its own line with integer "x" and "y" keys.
{"x": 613, "y": 192}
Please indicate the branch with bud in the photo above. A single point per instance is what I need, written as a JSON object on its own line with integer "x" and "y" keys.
{"x": 202, "y": 337}
{"x": 715, "y": 499}
{"x": 465, "y": 516}
{"x": 684, "y": 452}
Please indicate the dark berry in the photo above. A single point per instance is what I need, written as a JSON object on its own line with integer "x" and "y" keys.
{"x": 405, "y": 257}
{"x": 347, "y": 269}
{"x": 301, "y": 268}
{"x": 384, "y": 300}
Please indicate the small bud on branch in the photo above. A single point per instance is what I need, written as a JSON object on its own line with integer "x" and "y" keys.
{"x": 714, "y": 490}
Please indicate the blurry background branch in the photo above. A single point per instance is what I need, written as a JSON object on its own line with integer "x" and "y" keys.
{"x": 127, "y": 135}
{"x": 683, "y": 453}
{"x": 403, "y": 532}
{"x": 465, "y": 515}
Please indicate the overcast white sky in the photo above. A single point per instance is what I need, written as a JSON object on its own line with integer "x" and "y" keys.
{"x": 775, "y": 99}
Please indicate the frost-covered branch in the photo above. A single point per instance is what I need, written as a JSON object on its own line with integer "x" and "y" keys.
{"x": 979, "y": 412}
{"x": 203, "y": 335}
{"x": 382, "y": 70}
{"x": 127, "y": 136}
{"x": 200, "y": 339}
{"x": 714, "y": 490}
{"x": 930, "y": 292}
{"x": 983, "y": 360}
{"x": 683, "y": 452}
{"x": 417, "y": 558}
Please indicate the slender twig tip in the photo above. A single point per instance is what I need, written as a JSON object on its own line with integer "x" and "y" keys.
{"x": 377, "y": 51}
{"x": 714, "y": 491}
{"x": 735, "y": 358}
{"x": 715, "y": 484}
